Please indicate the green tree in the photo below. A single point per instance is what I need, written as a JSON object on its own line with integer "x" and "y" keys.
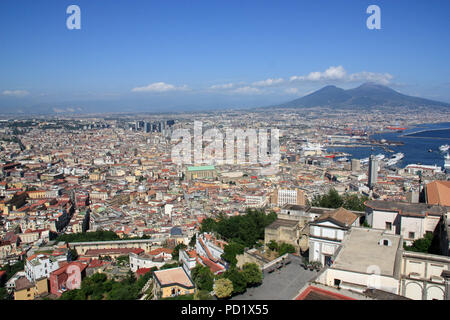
{"x": 252, "y": 274}
{"x": 202, "y": 295}
{"x": 176, "y": 250}
{"x": 330, "y": 200}
{"x": 231, "y": 250}
{"x": 203, "y": 277}
{"x": 285, "y": 248}
{"x": 4, "y": 294}
{"x": 193, "y": 241}
{"x": 272, "y": 245}
{"x": 208, "y": 225}
{"x": 421, "y": 245}
{"x": 238, "y": 279}
{"x": 354, "y": 202}
{"x": 223, "y": 288}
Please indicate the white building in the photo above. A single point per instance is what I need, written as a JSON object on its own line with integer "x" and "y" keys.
{"x": 425, "y": 276}
{"x": 41, "y": 265}
{"x": 410, "y": 220}
{"x": 368, "y": 258}
{"x": 207, "y": 246}
{"x": 284, "y": 196}
{"x": 258, "y": 200}
{"x": 415, "y": 168}
{"x": 327, "y": 232}
{"x": 155, "y": 258}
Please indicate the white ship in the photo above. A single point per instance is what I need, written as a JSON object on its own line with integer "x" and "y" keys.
{"x": 395, "y": 159}
{"x": 444, "y": 148}
{"x": 447, "y": 162}
{"x": 313, "y": 147}
{"x": 378, "y": 157}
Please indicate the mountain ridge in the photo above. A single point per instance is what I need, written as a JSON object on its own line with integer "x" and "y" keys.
{"x": 367, "y": 95}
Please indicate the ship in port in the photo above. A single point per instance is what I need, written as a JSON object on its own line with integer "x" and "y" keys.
{"x": 378, "y": 157}
{"x": 394, "y": 159}
{"x": 447, "y": 162}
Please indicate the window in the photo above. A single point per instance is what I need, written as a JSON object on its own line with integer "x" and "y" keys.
{"x": 385, "y": 242}
{"x": 412, "y": 235}
{"x": 337, "y": 282}
{"x": 388, "y": 225}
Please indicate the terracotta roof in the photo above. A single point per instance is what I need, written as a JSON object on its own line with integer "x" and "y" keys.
{"x": 314, "y": 293}
{"x": 23, "y": 283}
{"x": 63, "y": 269}
{"x": 340, "y": 215}
{"x": 159, "y": 251}
{"x": 173, "y": 276}
{"x": 438, "y": 192}
{"x": 95, "y": 252}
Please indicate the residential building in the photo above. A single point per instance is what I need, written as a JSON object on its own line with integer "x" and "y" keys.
{"x": 172, "y": 282}
{"x": 368, "y": 258}
{"x": 327, "y": 232}
{"x": 410, "y": 220}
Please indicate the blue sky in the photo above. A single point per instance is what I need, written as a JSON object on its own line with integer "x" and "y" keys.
{"x": 167, "y": 54}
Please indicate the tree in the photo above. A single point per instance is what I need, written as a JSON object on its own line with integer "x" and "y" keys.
{"x": 272, "y": 245}
{"x": 193, "y": 241}
{"x": 285, "y": 248}
{"x": 354, "y": 202}
{"x": 252, "y": 274}
{"x": 203, "y": 277}
{"x": 73, "y": 254}
{"x": 202, "y": 295}
{"x": 231, "y": 250}
{"x": 330, "y": 200}
{"x": 223, "y": 288}
{"x": 421, "y": 245}
{"x": 176, "y": 250}
{"x": 208, "y": 225}
{"x": 238, "y": 279}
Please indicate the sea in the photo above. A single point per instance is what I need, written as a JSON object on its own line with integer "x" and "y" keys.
{"x": 418, "y": 140}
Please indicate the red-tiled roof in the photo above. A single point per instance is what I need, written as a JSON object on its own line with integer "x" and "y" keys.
{"x": 314, "y": 293}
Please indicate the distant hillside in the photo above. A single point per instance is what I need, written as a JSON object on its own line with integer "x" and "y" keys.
{"x": 367, "y": 95}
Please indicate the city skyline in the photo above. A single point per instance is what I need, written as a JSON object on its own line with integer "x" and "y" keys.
{"x": 172, "y": 55}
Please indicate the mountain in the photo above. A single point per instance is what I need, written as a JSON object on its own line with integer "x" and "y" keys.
{"x": 366, "y": 95}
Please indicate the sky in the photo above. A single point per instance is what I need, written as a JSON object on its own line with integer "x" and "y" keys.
{"x": 171, "y": 55}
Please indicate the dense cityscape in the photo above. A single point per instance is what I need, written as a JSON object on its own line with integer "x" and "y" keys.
{"x": 103, "y": 194}
{"x": 224, "y": 159}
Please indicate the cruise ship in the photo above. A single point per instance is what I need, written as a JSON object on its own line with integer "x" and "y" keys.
{"x": 395, "y": 159}
{"x": 378, "y": 157}
{"x": 444, "y": 148}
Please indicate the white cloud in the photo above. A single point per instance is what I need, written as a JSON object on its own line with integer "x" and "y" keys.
{"x": 332, "y": 73}
{"x": 383, "y": 78}
{"x": 160, "y": 87}
{"x": 15, "y": 93}
{"x": 340, "y": 74}
{"x": 268, "y": 82}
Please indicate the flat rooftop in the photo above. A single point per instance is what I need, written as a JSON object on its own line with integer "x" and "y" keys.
{"x": 173, "y": 276}
{"x": 283, "y": 223}
{"x": 405, "y": 208}
{"x": 361, "y": 250}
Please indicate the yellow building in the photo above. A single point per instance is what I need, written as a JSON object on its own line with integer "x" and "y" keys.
{"x": 26, "y": 290}
{"x": 172, "y": 282}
